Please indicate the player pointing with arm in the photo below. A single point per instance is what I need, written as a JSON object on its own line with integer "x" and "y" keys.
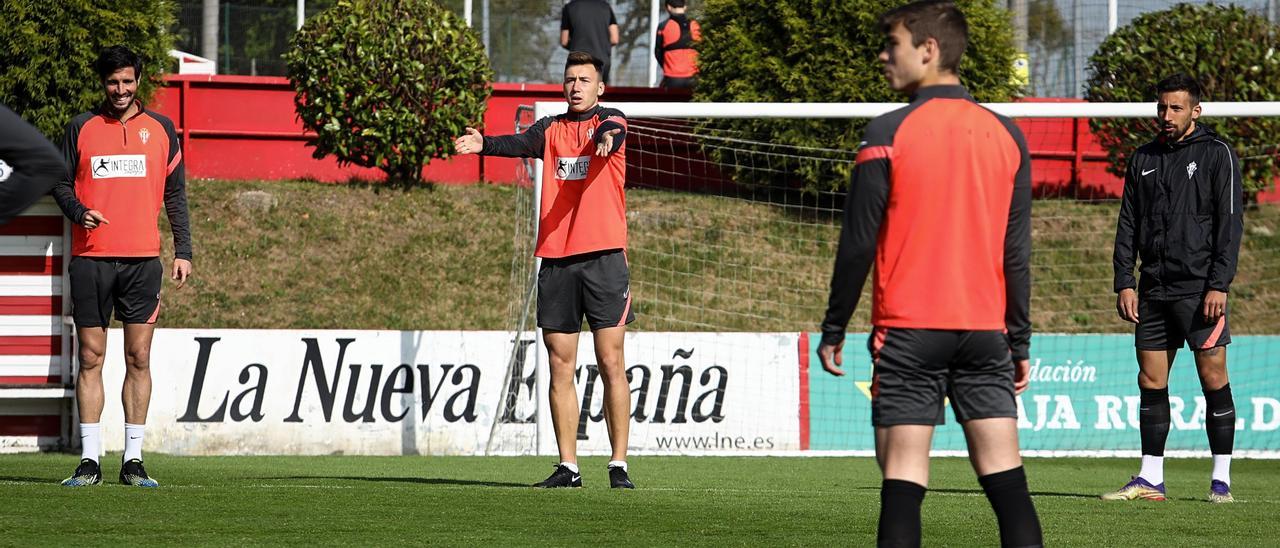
{"x": 582, "y": 240}
{"x": 124, "y": 164}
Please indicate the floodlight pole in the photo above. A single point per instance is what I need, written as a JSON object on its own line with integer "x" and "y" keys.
{"x": 302, "y": 12}
{"x": 654, "y": 14}
{"x": 466, "y": 11}
{"x": 209, "y": 30}
{"x": 1113, "y": 16}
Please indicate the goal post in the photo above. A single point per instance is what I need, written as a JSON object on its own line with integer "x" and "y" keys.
{"x": 722, "y": 266}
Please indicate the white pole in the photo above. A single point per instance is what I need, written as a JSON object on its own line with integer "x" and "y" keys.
{"x": 654, "y": 14}
{"x": 1247, "y": 109}
{"x": 302, "y": 12}
{"x": 484, "y": 21}
{"x": 1113, "y": 15}
{"x": 545, "y": 440}
{"x": 466, "y": 11}
{"x": 209, "y": 31}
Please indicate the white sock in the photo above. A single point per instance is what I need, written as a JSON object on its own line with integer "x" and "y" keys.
{"x": 1152, "y": 469}
{"x": 1222, "y": 468}
{"x": 133, "y": 441}
{"x": 618, "y": 464}
{"x": 90, "y": 441}
{"x": 572, "y": 466}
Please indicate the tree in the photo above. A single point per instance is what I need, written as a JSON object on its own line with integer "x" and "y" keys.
{"x": 47, "y": 52}
{"x": 1233, "y": 54}
{"x": 819, "y": 51}
{"x": 388, "y": 83}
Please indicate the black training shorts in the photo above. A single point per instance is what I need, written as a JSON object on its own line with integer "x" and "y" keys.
{"x": 916, "y": 369}
{"x": 129, "y": 285}
{"x": 596, "y": 284}
{"x": 1166, "y": 325}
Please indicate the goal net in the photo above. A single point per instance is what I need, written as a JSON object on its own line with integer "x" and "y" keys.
{"x": 732, "y": 237}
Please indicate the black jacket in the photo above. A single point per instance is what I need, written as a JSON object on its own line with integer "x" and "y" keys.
{"x": 1182, "y": 213}
{"x": 29, "y": 165}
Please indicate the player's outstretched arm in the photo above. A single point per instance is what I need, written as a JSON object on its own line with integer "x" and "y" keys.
{"x": 29, "y": 165}
{"x": 470, "y": 142}
{"x": 521, "y": 145}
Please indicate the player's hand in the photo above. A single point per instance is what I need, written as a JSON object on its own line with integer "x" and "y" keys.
{"x": 1021, "y": 376}
{"x": 1215, "y": 305}
{"x": 832, "y": 357}
{"x": 1127, "y": 305}
{"x": 93, "y": 219}
{"x": 181, "y": 270}
{"x": 470, "y": 143}
{"x": 606, "y": 142}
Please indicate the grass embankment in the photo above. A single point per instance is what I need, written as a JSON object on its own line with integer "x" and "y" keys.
{"x": 359, "y": 257}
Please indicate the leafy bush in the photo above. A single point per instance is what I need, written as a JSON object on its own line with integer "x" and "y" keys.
{"x": 1233, "y": 54}
{"x": 47, "y": 52}
{"x": 820, "y": 51}
{"x": 388, "y": 83}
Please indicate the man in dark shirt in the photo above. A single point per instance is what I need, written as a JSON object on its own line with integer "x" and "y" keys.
{"x": 589, "y": 25}
{"x": 1181, "y": 214}
{"x": 940, "y": 187}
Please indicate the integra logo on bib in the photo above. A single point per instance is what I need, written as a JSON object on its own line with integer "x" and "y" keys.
{"x": 572, "y": 168}
{"x": 118, "y": 165}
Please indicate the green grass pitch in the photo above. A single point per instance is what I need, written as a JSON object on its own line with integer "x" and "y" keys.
{"x": 706, "y": 501}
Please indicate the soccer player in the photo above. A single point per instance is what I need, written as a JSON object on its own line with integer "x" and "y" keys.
{"x": 582, "y": 239}
{"x": 673, "y": 46}
{"x": 29, "y": 165}
{"x": 940, "y": 200}
{"x": 124, "y": 162}
{"x": 1181, "y": 213}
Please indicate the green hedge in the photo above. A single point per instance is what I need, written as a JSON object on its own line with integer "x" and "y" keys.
{"x": 47, "y": 52}
{"x": 388, "y": 83}
{"x": 1233, "y": 53}
{"x": 822, "y": 51}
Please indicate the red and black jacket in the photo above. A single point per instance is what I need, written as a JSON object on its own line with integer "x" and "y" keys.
{"x": 127, "y": 169}
{"x": 673, "y": 46}
{"x": 940, "y": 200}
{"x": 583, "y": 200}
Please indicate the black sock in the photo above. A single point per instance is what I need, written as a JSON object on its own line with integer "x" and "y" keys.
{"x": 1007, "y": 491}
{"x": 900, "y": 514}
{"x": 1220, "y": 421}
{"x": 1153, "y": 420}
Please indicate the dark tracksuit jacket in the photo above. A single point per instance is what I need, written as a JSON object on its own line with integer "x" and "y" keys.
{"x": 29, "y": 165}
{"x": 1182, "y": 214}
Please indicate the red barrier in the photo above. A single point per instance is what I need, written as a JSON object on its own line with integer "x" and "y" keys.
{"x": 245, "y": 128}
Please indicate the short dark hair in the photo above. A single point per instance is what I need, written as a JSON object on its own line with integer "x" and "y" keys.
{"x": 1180, "y": 82}
{"x": 937, "y": 19}
{"x": 583, "y": 58}
{"x": 115, "y": 58}
{"x": 676, "y": 3}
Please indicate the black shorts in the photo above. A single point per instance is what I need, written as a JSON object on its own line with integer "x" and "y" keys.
{"x": 679, "y": 83}
{"x": 1167, "y": 325}
{"x": 129, "y": 285}
{"x": 915, "y": 369}
{"x": 597, "y": 284}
